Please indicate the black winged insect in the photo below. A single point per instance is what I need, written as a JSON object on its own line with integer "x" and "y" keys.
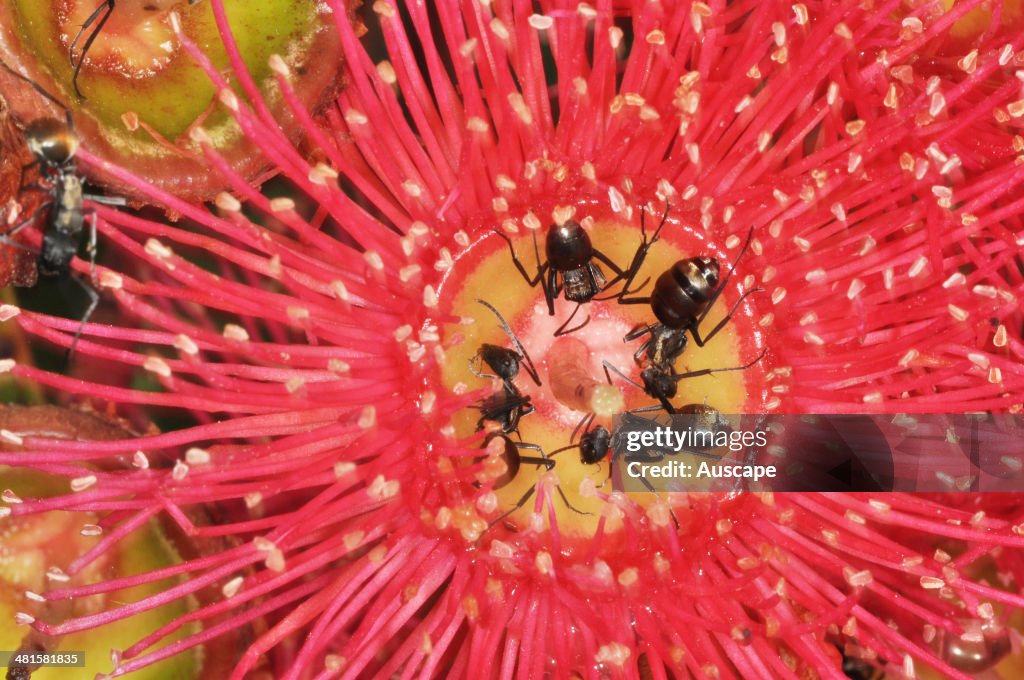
{"x": 53, "y": 143}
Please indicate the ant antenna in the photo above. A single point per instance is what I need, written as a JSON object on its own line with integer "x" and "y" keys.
{"x": 721, "y": 286}
{"x": 94, "y": 299}
{"x": 39, "y": 88}
{"x": 106, "y": 8}
{"x": 709, "y": 371}
{"x": 530, "y": 368}
{"x": 583, "y": 425}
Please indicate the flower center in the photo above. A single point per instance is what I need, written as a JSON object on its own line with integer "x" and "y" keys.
{"x": 576, "y": 392}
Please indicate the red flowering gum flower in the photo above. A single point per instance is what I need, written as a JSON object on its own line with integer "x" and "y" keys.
{"x": 349, "y": 431}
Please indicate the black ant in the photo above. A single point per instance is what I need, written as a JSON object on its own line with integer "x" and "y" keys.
{"x": 54, "y": 143}
{"x": 663, "y": 385}
{"x": 569, "y": 267}
{"x": 683, "y": 296}
{"x": 100, "y": 16}
{"x": 513, "y": 460}
{"x": 597, "y": 443}
{"x": 507, "y": 406}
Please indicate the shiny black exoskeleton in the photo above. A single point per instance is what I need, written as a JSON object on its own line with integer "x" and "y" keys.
{"x": 513, "y": 459}
{"x": 509, "y": 404}
{"x": 568, "y": 268}
{"x": 682, "y": 298}
{"x": 594, "y": 445}
{"x": 54, "y": 143}
{"x": 96, "y": 21}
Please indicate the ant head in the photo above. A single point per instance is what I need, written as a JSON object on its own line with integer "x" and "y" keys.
{"x": 51, "y": 141}
{"x": 594, "y": 445}
{"x": 503, "y": 361}
{"x": 658, "y": 383}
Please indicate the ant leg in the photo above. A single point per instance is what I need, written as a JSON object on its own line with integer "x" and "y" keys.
{"x": 479, "y": 374}
{"x": 561, "y": 329}
{"x": 584, "y": 423}
{"x": 665, "y": 403}
{"x": 567, "y": 503}
{"x": 547, "y": 277}
{"x": 543, "y": 460}
{"x": 526, "y": 497}
{"x": 709, "y": 371}
{"x": 564, "y": 448}
{"x": 621, "y": 374}
{"x": 106, "y": 8}
{"x": 94, "y": 299}
{"x": 637, "y": 332}
{"x": 611, "y": 265}
{"x": 49, "y": 97}
{"x": 27, "y": 221}
{"x": 520, "y": 503}
{"x": 106, "y": 200}
{"x": 646, "y": 409}
{"x": 695, "y": 331}
{"x": 650, "y": 487}
{"x": 534, "y": 460}
{"x": 527, "y": 361}
{"x": 549, "y": 464}
{"x": 640, "y": 256}
{"x": 722, "y": 284}
{"x": 551, "y": 289}
{"x": 631, "y": 271}
{"x": 91, "y": 247}
{"x": 635, "y": 300}
{"x": 532, "y": 282}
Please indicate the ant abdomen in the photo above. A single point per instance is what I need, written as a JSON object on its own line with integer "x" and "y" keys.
{"x": 682, "y": 291}
{"x": 501, "y": 449}
{"x": 568, "y": 246}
